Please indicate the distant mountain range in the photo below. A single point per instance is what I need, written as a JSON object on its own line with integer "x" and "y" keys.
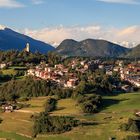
{"x": 10, "y": 39}
{"x": 92, "y": 48}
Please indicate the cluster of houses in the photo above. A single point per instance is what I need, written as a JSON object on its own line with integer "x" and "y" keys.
{"x": 62, "y": 74}
{"x": 56, "y": 74}
{"x": 131, "y": 73}
{"x": 66, "y": 78}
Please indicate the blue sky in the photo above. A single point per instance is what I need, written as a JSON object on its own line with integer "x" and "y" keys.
{"x": 78, "y": 19}
{"x": 69, "y": 13}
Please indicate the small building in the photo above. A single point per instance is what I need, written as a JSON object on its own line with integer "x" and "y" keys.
{"x": 8, "y": 108}
{"x": 109, "y": 72}
{"x": 83, "y": 63}
{"x": 101, "y": 66}
{"x": 116, "y": 69}
{"x": 3, "y": 65}
{"x": 31, "y": 72}
{"x": 71, "y": 83}
{"x": 138, "y": 114}
{"x": 127, "y": 88}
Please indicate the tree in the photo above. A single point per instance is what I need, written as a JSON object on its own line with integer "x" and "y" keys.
{"x": 44, "y": 123}
{"x": 50, "y": 104}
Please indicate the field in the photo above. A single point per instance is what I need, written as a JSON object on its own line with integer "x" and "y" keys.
{"x": 13, "y": 71}
{"x": 117, "y": 110}
{"x": 67, "y": 107}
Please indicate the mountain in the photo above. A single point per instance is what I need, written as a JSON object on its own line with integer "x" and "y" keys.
{"x": 134, "y": 52}
{"x": 90, "y": 47}
{"x": 10, "y": 39}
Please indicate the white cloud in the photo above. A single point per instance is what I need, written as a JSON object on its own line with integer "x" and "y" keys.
{"x": 125, "y": 36}
{"x": 10, "y": 4}
{"x": 121, "y": 1}
{"x": 37, "y": 1}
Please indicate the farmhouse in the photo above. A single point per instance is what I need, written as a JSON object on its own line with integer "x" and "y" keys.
{"x": 138, "y": 114}
{"x": 8, "y": 108}
{"x": 3, "y": 65}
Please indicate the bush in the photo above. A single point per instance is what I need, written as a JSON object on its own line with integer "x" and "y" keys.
{"x": 124, "y": 127}
{"x": 50, "y": 105}
{"x": 89, "y": 103}
{"x": 132, "y": 125}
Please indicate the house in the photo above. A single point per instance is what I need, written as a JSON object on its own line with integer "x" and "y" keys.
{"x": 71, "y": 83}
{"x": 137, "y": 114}
{"x": 127, "y": 88}
{"x": 83, "y": 63}
{"x": 109, "y": 72}
{"x": 31, "y": 72}
{"x": 59, "y": 66}
{"x": 8, "y": 108}
{"x": 116, "y": 69}
{"x": 48, "y": 69}
{"x": 86, "y": 66}
{"x": 3, "y": 65}
{"x": 101, "y": 66}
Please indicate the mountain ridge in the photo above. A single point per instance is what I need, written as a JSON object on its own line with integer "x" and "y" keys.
{"x": 134, "y": 52}
{"x": 91, "y": 47}
{"x": 10, "y": 39}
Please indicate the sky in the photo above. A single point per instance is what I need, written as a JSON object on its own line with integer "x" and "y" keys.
{"x": 53, "y": 21}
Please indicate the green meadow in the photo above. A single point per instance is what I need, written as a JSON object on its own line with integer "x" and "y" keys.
{"x": 102, "y": 126}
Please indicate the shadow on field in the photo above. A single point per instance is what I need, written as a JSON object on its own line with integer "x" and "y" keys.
{"x": 86, "y": 123}
{"x": 60, "y": 108}
{"x": 109, "y": 102}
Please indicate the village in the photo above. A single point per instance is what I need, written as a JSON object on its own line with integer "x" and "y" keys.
{"x": 66, "y": 75}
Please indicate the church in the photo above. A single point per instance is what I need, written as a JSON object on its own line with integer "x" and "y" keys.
{"x": 27, "y": 48}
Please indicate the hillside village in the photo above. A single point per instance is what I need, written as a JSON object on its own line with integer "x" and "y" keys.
{"x": 84, "y": 82}
{"x": 69, "y": 70}
{"x": 66, "y": 75}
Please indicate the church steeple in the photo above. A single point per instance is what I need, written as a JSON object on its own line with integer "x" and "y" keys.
{"x": 27, "y": 49}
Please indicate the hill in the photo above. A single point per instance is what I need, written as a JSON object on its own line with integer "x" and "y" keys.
{"x": 90, "y": 47}
{"x": 10, "y": 39}
{"x": 135, "y": 52}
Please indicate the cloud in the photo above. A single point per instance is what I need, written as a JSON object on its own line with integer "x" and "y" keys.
{"x": 121, "y": 1}
{"x": 10, "y": 4}
{"x": 36, "y": 2}
{"x": 128, "y": 36}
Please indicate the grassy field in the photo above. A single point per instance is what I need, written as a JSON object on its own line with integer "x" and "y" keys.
{"x": 117, "y": 110}
{"x": 19, "y": 122}
{"x": 36, "y": 104}
{"x": 13, "y": 136}
{"x": 67, "y": 107}
{"x": 12, "y": 71}
{"x": 9, "y": 71}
